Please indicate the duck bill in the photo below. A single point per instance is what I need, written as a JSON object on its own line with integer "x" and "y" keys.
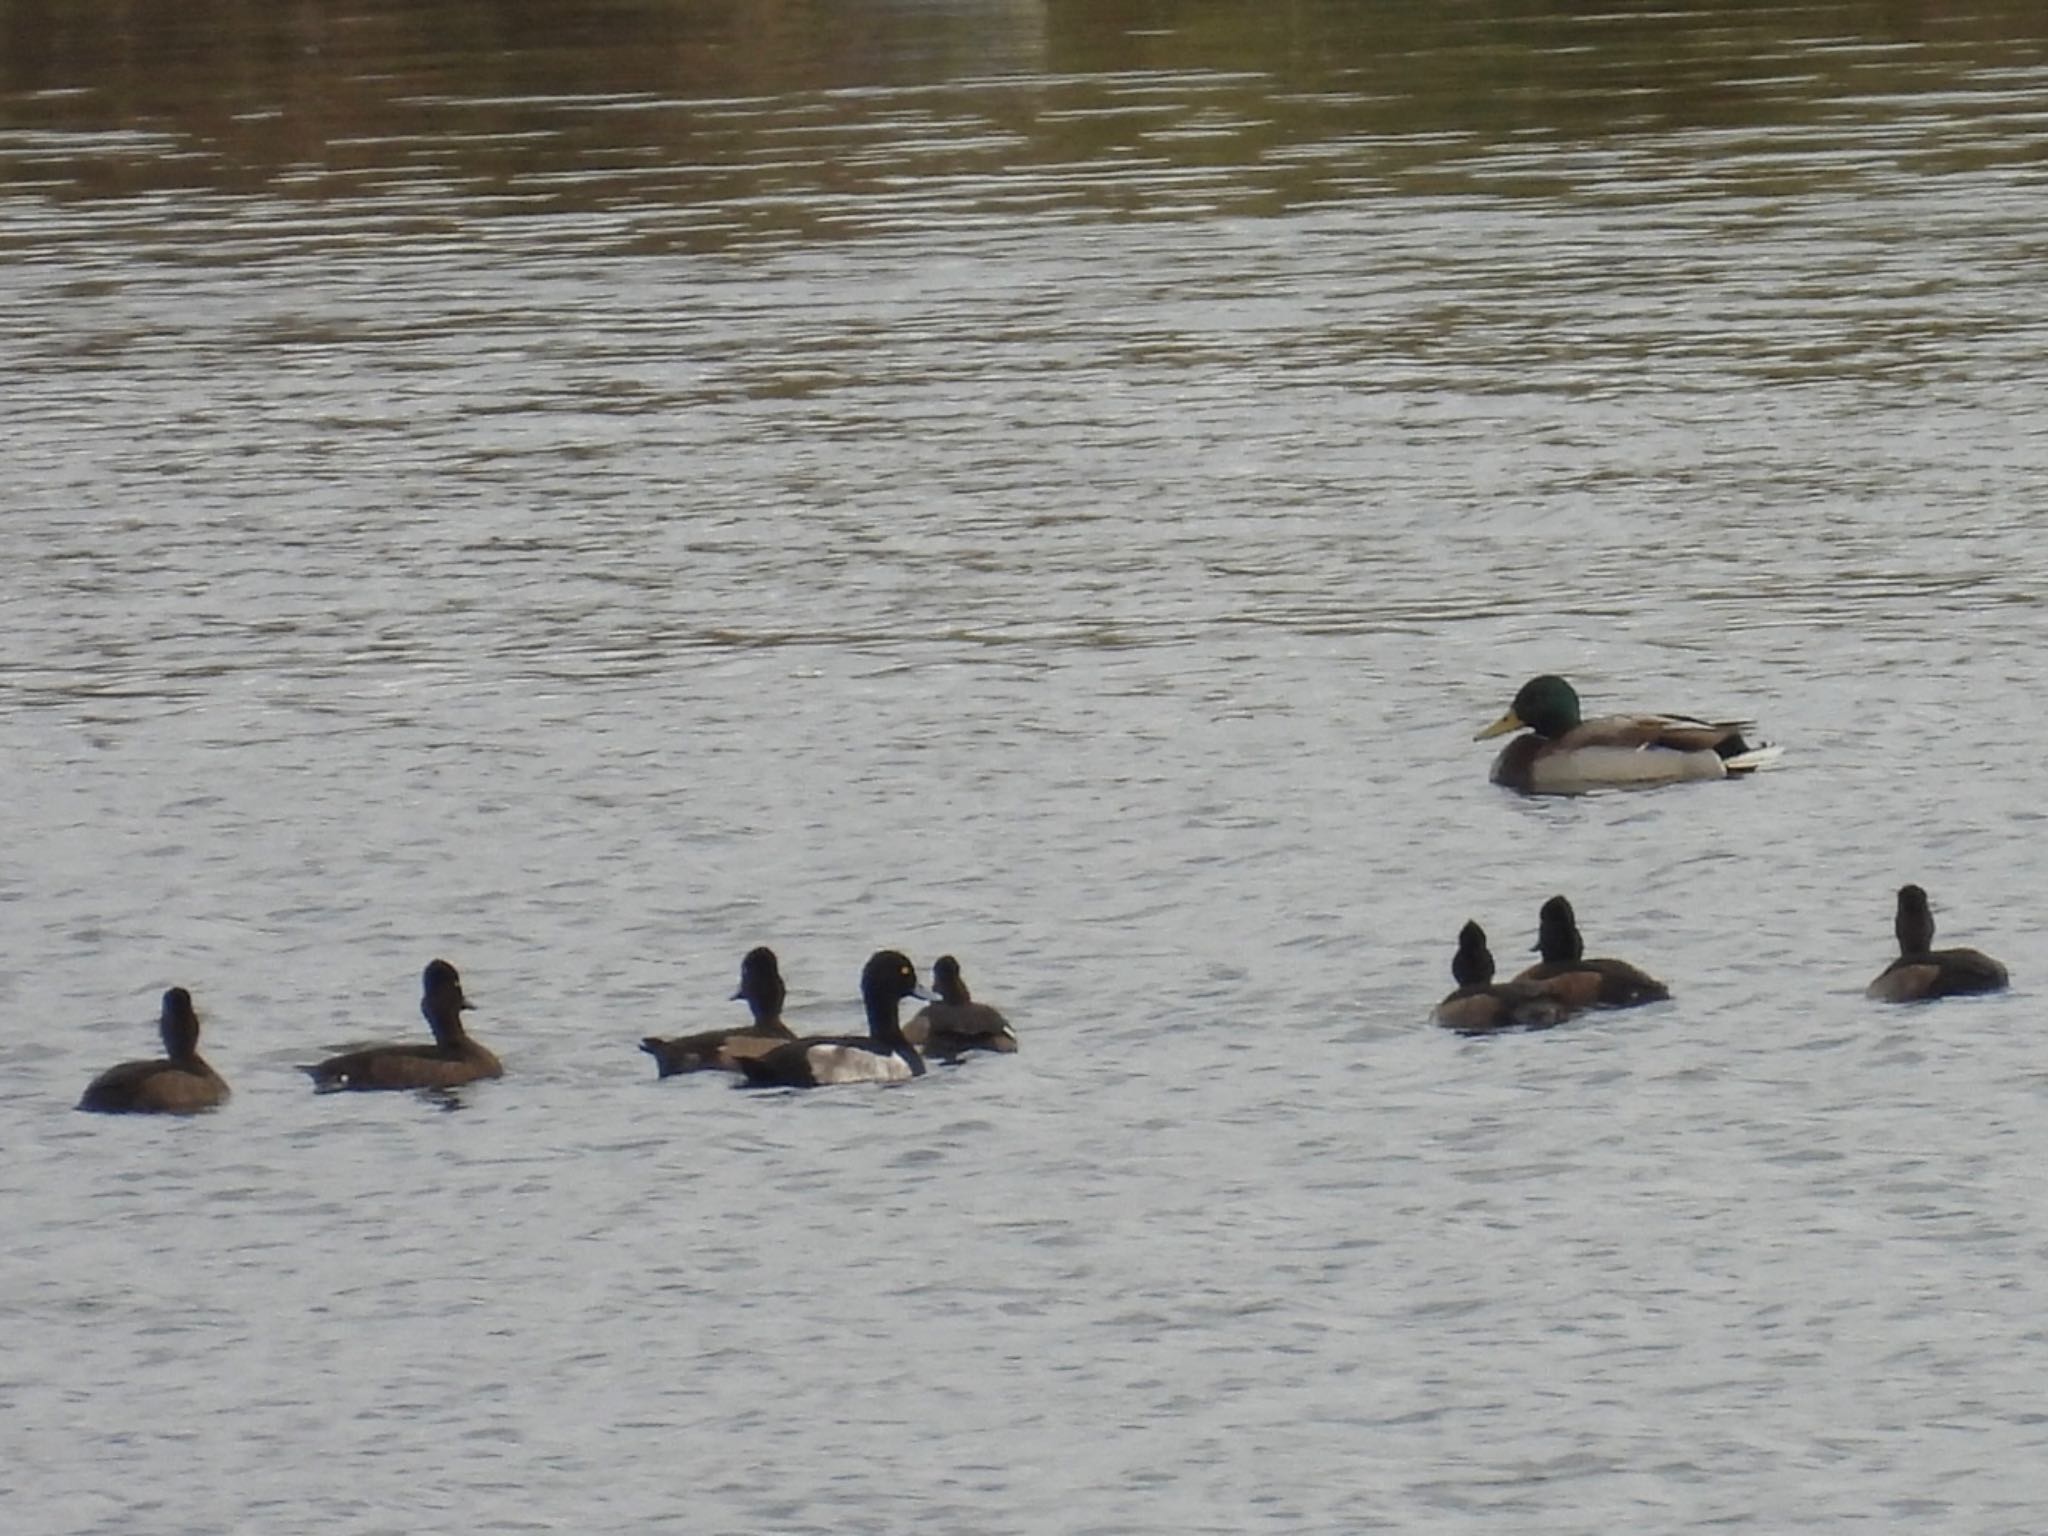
{"x": 1507, "y": 722}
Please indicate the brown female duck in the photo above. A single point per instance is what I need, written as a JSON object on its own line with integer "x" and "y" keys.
{"x": 1922, "y": 972}
{"x": 452, "y": 1060}
{"x": 1482, "y": 1006}
{"x": 1566, "y": 973}
{"x": 956, "y": 1023}
{"x": 180, "y": 1083}
{"x": 720, "y": 1050}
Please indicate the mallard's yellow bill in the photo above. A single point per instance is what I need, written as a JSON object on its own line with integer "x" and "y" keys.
{"x": 1507, "y": 722}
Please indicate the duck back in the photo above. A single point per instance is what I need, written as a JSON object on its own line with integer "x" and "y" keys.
{"x": 398, "y": 1067}
{"x": 155, "y": 1087}
{"x": 1938, "y": 973}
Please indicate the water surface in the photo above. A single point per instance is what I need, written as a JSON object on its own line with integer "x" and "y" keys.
{"x": 587, "y": 489}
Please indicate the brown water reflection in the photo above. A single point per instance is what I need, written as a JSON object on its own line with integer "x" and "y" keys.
{"x": 1006, "y": 105}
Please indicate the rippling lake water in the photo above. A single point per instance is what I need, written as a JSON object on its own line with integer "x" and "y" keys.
{"x": 587, "y": 489}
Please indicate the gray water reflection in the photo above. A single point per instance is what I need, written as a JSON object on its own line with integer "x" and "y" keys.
{"x": 805, "y": 122}
{"x": 589, "y": 488}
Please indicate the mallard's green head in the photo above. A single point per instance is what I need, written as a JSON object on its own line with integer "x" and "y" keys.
{"x": 1557, "y": 933}
{"x": 1547, "y": 705}
{"x": 1472, "y": 966}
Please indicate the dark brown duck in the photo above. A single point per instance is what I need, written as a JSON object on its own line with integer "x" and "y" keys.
{"x": 1482, "y": 1006}
{"x": 179, "y": 1083}
{"x": 1566, "y": 972}
{"x": 956, "y": 1024}
{"x": 452, "y": 1060}
{"x": 720, "y": 1050}
{"x": 1922, "y": 972}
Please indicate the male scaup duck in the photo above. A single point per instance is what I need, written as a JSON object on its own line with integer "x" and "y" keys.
{"x": 1562, "y": 754}
{"x": 1565, "y": 972}
{"x": 1923, "y": 972}
{"x": 181, "y": 1083}
{"x": 881, "y": 1056}
{"x": 956, "y": 1024}
{"x": 1481, "y": 1006}
{"x": 452, "y": 1060}
{"x": 721, "y": 1049}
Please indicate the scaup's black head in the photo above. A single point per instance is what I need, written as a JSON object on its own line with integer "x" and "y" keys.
{"x": 1921, "y": 972}
{"x": 761, "y": 986}
{"x": 1914, "y": 923}
{"x": 948, "y": 982}
{"x": 179, "y": 1025}
{"x": 885, "y": 981}
{"x": 1472, "y": 966}
{"x": 1557, "y": 933}
{"x": 890, "y": 977}
{"x": 442, "y": 1000}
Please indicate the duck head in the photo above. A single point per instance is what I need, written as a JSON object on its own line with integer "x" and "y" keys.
{"x": 948, "y": 982}
{"x": 442, "y": 1000}
{"x": 1557, "y": 933}
{"x": 1914, "y": 923}
{"x": 179, "y": 1025}
{"x": 761, "y": 986}
{"x": 1547, "y": 705}
{"x": 1472, "y": 966}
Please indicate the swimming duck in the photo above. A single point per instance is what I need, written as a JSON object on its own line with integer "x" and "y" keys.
{"x": 1480, "y": 1006}
{"x": 1923, "y": 972}
{"x": 452, "y": 1060}
{"x": 1562, "y": 754}
{"x": 880, "y": 1056}
{"x": 1566, "y": 973}
{"x": 956, "y": 1023}
{"x": 721, "y": 1049}
{"x": 181, "y": 1083}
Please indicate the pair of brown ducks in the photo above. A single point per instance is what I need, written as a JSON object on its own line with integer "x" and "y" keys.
{"x": 182, "y": 1083}
{"x": 1566, "y": 981}
{"x": 766, "y": 1052}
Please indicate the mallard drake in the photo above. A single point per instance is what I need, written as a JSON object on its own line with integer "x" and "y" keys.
{"x": 1562, "y": 754}
{"x": 880, "y": 1056}
{"x": 1480, "y": 1006}
{"x": 1565, "y": 972}
{"x": 720, "y": 1050}
{"x": 1923, "y": 972}
{"x": 956, "y": 1023}
{"x": 452, "y": 1060}
{"x": 181, "y": 1083}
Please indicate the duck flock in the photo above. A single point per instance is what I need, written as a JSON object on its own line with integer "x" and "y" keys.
{"x": 1558, "y": 752}
{"x": 1562, "y": 753}
{"x": 765, "y": 1053}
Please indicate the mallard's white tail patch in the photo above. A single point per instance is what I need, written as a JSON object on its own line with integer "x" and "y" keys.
{"x": 1755, "y": 758}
